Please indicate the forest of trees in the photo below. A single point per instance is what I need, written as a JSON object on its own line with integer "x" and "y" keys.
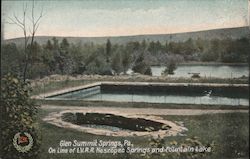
{"x": 62, "y": 57}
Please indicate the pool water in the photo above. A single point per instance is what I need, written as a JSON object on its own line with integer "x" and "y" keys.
{"x": 212, "y": 100}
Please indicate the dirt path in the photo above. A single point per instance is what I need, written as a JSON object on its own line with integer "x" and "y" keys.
{"x": 144, "y": 111}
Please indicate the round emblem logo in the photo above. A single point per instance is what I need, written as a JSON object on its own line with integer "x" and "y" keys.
{"x": 23, "y": 142}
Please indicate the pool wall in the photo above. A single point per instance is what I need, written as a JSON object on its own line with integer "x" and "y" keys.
{"x": 191, "y": 89}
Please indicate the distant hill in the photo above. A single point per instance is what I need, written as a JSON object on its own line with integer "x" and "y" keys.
{"x": 234, "y": 33}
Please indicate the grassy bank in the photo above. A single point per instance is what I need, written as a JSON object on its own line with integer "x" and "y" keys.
{"x": 229, "y": 134}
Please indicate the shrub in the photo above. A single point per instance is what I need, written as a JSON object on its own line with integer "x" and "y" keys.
{"x": 18, "y": 116}
{"x": 171, "y": 66}
{"x": 141, "y": 66}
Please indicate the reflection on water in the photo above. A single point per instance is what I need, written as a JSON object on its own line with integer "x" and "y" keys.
{"x": 205, "y": 71}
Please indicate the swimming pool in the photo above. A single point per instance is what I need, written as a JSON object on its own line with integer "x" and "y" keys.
{"x": 160, "y": 93}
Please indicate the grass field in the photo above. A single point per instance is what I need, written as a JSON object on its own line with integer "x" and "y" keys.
{"x": 228, "y": 132}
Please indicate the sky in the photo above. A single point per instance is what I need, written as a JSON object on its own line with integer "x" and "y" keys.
{"x": 96, "y": 18}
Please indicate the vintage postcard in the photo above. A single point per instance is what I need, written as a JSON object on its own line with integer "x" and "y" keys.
{"x": 125, "y": 79}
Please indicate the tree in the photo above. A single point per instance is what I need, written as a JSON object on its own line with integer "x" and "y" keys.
{"x": 58, "y": 59}
{"x": 141, "y": 66}
{"x": 55, "y": 43}
{"x": 22, "y": 23}
{"x": 144, "y": 45}
{"x": 18, "y": 113}
{"x": 189, "y": 47}
{"x": 166, "y": 47}
{"x": 125, "y": 61}
{"x": 116, "y": 63}
{"x": 200, "y": 44}
{"x": 236, "y": 50}
{"x": 64, "y": 44}
{"x": 11, "y": 59}
{"x": 49, "y": 45}
{"x": 174, "y": 47}
{"x": 152, "y": 48}
{"x": 78, "y": 58}
{"x": 171, "y": 66}
{"x": 108, "y": 50}
{"x": 37, "y": 67}
{"x": 48, "y": 57}
{"x": 36, "y": 55}
{"x": 65, "y": 59}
